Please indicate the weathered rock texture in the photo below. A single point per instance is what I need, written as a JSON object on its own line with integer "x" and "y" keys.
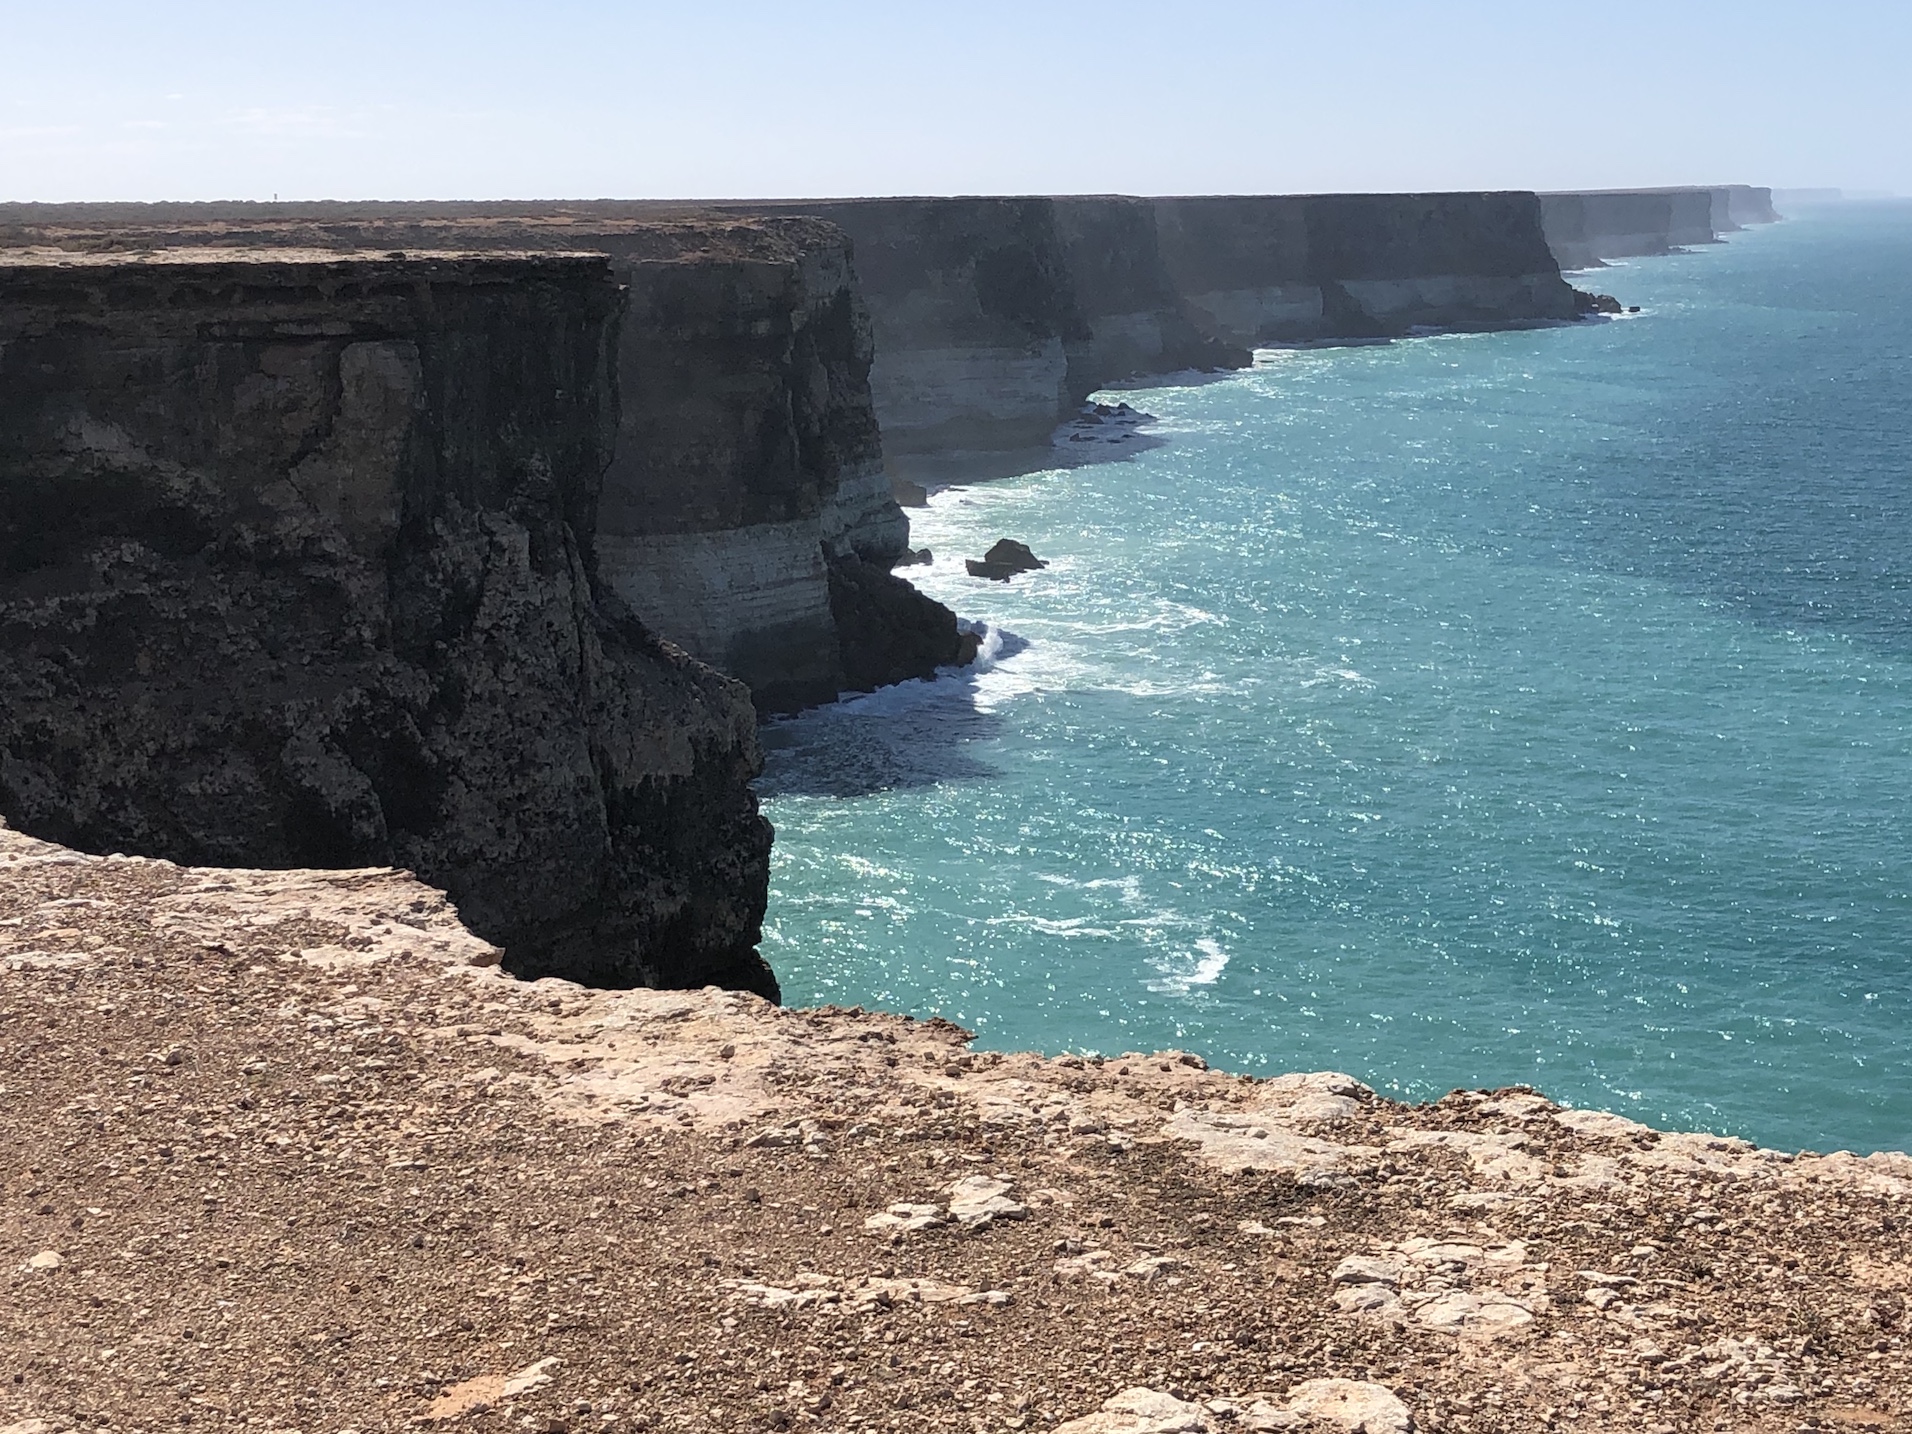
{"x": 285, "y": 1146}
{"x": 747, "y": 463}
{"x": 973, "y": 308}
{"x": 1135, "y": 320}
{"x": 1586, "y": 228}
{"x": 297, "y": 568}
{"x": 1276, "y": 268}
{"x": 995, "y": 318}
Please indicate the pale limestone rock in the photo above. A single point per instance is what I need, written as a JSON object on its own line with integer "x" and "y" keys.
{"x": 44, "y": 1261}
{"x": 1316, "y": 1095}
{"x": 905, "y": 1219}
{"x": 1258, "y": 1142}
{"x": 1368, "y": 1269}
{"x": 976, "y": 1200}
{"x": 1486, "y": 1315}
{"x": 488, "y": 1389}
{"x": 1353, "y": 1405}
{"x": 1149, "y": 1266}
{"x": 1599, "y": 1123}
{"x": 1142, "y": 1411}
{"x": 1262, "y": 1417}
{"x": 1365, "y": 1299}
{"x": 1088, "y": 1264}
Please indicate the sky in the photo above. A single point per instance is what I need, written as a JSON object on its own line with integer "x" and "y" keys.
{"x": 395, "y": 99}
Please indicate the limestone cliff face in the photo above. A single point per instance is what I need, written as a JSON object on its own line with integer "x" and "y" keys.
{"x": 972, "y": 311}
{"x": 1749, "y": 204}
{"x": 747, "y": 466}
{"x": 1282, "y": 267}
{"x": 749, "y": 479}
{"x": 994, "y": 318}
{"x": 297, "y": 568}
{"x": 1135, "y": 321}
{"x": 1586, "y": 228}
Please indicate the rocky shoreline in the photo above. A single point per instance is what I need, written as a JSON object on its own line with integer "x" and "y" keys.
{"x": 293, "y": 1153}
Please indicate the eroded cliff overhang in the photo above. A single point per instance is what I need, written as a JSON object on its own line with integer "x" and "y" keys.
{"x": 297, "y": 568}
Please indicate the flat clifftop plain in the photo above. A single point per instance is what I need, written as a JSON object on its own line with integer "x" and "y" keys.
{"x": 288, "y": 1150}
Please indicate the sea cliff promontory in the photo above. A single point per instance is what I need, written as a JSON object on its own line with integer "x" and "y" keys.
{"x": 745, "y": 513}
{"x": 293, "y": 1153}
{"x": 298, "y": 567}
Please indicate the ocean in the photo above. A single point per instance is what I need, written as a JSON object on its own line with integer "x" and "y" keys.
{"x": 1466, "y": 711}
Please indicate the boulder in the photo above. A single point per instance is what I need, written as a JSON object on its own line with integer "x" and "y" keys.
{"x": 1005, "y": 558}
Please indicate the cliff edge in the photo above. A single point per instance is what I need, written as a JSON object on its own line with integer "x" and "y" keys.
{"x": 297, "y": 568}
{"x": 746, "y": 489}
{"x": 286, "y": 1150}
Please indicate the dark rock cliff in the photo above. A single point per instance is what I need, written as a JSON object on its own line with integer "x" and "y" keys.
{"x": 1135, "y": 321}
{"x": 1300, "y": 267}
{"x": 1586, "y": 228}
{"x": 995, "y": 317}
{"x": 971, "y": 306}
{"x": 748, "y": 466}
{"x": 297, "y": 567}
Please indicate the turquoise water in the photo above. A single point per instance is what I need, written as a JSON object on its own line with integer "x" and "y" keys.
{"x": 1464, "y": 711}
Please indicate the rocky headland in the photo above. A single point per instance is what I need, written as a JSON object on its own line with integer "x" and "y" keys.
{"x": 297, "y": 568}
{"x": 289, "y": 1151}
{"x": 745, "y": 514}
{"x": 412, "y": 533}
{"x": 338, "y": 541}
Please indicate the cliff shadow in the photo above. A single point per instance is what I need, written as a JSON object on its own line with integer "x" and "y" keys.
{"x": 1099, "y": 432}
{"x": 911, "y": 736}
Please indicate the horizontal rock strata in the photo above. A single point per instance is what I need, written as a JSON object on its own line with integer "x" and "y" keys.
{"x": 1588, "y": 227}
{"x": 995, "y": 318}
{"x": 1279, "y": 268}
{"x": 297, "y": 567}
{"x": 287, "y": 1146}
{"x": 747, "y": 463}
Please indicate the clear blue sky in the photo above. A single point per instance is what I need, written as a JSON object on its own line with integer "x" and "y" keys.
{"x": 199, "y": 99}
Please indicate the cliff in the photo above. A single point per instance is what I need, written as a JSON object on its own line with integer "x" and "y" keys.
{"x": 972, "y": 309}
{"x": 989, "y": 320}
{"x": 288, "y": 1151}
{"x": 747, "y": 489}
{"x": 1135, "y": 321}
{"x": 1585, "y": 228}
{"x": 1314, "y": 267}
{"x": 995, "y": 318}
{"x": 298, "y": 567}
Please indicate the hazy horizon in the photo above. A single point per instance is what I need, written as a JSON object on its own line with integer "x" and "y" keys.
{"x": 111, "y": 101}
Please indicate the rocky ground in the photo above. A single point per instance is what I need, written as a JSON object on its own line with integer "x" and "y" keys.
{"x": 286, "y": 1150}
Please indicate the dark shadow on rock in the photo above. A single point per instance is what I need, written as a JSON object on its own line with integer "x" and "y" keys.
{"x": 908, "y": 737}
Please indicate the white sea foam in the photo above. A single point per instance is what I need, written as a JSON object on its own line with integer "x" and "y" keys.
{"x": 1189, "y": 969}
